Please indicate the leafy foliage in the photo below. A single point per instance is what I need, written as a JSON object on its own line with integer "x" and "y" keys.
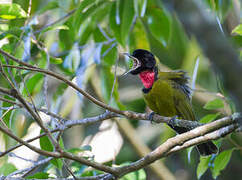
{"x": 82, "y": 40}
{"x": 202, "y": 166}
{"x": 11, "y": 11}
{"x": 221, "y": 162}
{"x": 214, "y": 104}
{"x": 7, "y": 169}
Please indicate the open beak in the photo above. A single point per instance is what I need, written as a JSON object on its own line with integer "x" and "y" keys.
{"x": 136, "y": 63}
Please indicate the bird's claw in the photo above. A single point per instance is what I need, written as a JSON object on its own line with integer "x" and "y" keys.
{"x": 172, "y": 120}
{"x": 151, "y": 115}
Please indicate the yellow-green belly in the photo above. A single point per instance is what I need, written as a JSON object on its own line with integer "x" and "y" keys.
{"x": 160, "y": 99}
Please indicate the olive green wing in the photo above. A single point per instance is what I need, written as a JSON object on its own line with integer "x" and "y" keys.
{"x": 183, "y": 103}
{"x": 181, "y": 94}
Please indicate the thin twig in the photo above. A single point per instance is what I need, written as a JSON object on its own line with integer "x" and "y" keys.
{"x": 43, "y": 152}
{"x": 39, "y": 109}
{"x": 1, "y": 119}
{"x": 28, "y": 141}
{"x": 68, "y": 124}
{"x": 19, "y": 157}
{"x": 29, "y": 8}
{"x": 160, "y": 152}
{"x": 68, "y": 169}
{"x": 70, "y": 83}
{"x": 36, "y": 164}
{"x": 114, "y": 82}
{"x": 15, "y": 93}
{"x": 216, "y": 129}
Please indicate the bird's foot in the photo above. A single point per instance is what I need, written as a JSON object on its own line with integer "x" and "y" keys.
{"x": 172, "y": 120}
{"x": 151, "y": 116}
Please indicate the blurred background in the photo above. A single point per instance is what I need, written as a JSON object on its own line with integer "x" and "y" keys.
{"x": 84, "y": 40}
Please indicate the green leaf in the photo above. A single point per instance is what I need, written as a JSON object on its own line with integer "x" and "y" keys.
{"x": 189, "y": 153}
{"x": 11, "y": 11}
{"x": 84, "y": 4}
{"x": 55, "y": 60}
{"x": 7, "y": 168}
{"x": 107, "y": 80}
{"x": 34, "y": 84}
{"x": 238, "y": 30}
{"x": 57, "y": 163}
{"x": 209, "y": 117}
{"x": 81, "y": 16}
{"x": 98, "y": 36}
{"x": 214, "y": 104}
{"x": 202, "y": 166}
{"x": 81, "y": 149}
{"x": 45, "y": 143}
{"x": 39, "y": 175}
{"x": 120, "y": 19}
{"x": 87, "y": 29}
{"x": 52, "y": 28}
{"x": 127, "y": 19}
{"x": 51, "y": 5}
{"x": 136, "y": 175}
{"x": 116, "y": 28}
{"x": 67, "y": 37}
{"x": 8, "y": 117}
{"x": 74, "y": 150}
{"x": 84, "y": 172}
{"x": 110, "y": 55}
{"x": 159, "y": 24}
{"x": 156, "y": 46}
{"x": 13, "y": 32}
{"x": 137, "y": 38}
{"x": 177, "y": 44}
{"x": 221, "y": 162}
{"x": 140, "y": 7}
{"x": 59, "y": 91}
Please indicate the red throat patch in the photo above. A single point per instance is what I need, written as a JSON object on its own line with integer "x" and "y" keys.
{"x": 147, "y": 78}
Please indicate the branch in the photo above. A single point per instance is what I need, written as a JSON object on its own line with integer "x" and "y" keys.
{"x": 217, "y": 128}
{"x": 59, "y": 77}
{"x": 128, "y": 114}
{"x": 15, "y": 93}
{"x": 200, "y": 134}
{"x": 39, "y": 109}
{"x": 179, "y": 142}
{"x": 210, "y": 136}
{"x": 45, "y": 153}
{"x": 61, "y": 154}
{"x": 68, "y": 124}
{"x": 36, "y": 164}
{"x": 74, "y": 86}
{"x": 107, "y": 115}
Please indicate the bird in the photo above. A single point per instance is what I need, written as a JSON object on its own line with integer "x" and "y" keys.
{"x": 166, "y": 93}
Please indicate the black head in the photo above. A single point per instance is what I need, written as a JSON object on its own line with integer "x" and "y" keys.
{"x": 143, "y": 60}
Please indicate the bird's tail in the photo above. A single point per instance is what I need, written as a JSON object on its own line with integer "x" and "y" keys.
{"x": 207, "y": 148}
